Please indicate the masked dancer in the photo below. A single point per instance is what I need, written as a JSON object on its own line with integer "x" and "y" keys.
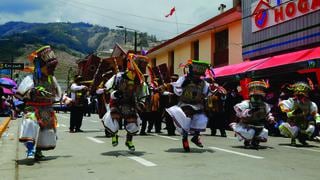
{"x": 188, "y": 115}
{"x": 253, "y": 114}
{"x": 302, "y": 114}
{"x": 40, "y": 91}
{"x": 128, "y": 92}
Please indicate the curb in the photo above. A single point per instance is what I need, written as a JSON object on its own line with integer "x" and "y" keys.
{"x": 4, "y": 126}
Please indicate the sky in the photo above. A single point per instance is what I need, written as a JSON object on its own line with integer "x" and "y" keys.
{"x": 141, "y": 15}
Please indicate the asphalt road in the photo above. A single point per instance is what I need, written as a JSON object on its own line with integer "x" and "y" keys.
{"x": 90, "y": 155}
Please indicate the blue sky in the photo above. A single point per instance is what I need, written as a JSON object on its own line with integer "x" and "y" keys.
{"x": 142, "y": 15}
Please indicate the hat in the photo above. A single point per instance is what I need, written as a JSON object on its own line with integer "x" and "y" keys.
{"x": 43, "y": 57}
{"x": 174, "y": 76}
{"x": 77, "y": 77}
{"x": 44, "y": 53}
{"x": 257, "y": 88}
{"x": 198, "y": 67}
{"x": 107, "y": 73}
{"x": 301, "y": 88}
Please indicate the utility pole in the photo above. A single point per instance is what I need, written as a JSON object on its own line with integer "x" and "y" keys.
{"x": 135, "y": 36}
{"x": 11, "y": 68}
{"x": 135, "y": 42}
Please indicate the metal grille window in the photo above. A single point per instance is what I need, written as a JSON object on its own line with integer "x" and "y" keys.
{"x": 221, "y": 54}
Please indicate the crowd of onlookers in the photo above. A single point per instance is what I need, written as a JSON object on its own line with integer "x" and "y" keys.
{"x": 9, "y": 106}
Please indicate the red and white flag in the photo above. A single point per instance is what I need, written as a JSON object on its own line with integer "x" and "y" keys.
{"x": 171, "y": 12}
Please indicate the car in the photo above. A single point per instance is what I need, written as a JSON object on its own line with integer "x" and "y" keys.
{"x": 60, "y": 107}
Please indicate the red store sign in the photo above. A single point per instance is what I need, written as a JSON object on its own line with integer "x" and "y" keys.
{"x": 267, "y": 13}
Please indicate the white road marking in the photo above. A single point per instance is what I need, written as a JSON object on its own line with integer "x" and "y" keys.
{"x": 94, "y": 121}
{"x": 291, "y": 147}
{"x": 142, "y": 161}
{"x": 138, "y": 159}
{"x": 62, "y": 116}
{"x": 95, "y": 140}
{"x": 238, "y": 153}
{"x": 167, "y": 137}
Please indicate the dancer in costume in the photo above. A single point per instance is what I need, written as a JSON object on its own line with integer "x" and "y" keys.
{"x": 253, "y": 114}
{"x": 188, "y": 115}
{"x": 40, "y": 91}
{"x": 128, "y": 91}
{"x": 302, "y": 114}
{"x": 103, "y": 96}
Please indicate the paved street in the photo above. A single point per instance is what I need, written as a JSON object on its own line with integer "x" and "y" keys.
{"x": 90, "y": 155}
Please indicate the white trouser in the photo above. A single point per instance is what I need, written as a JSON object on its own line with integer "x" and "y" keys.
{"x": 113, "y": 125}
{"x": 28, "y": 130}
{"x": 244, "y": 132}
{"x": 292, "y": 131}
{"x": 198, "y": 122}
{"x": 45, "y": 139}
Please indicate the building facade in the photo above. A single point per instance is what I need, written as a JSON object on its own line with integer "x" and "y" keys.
{"x": 272, "y": 27}
{"x": 217, "y": 41}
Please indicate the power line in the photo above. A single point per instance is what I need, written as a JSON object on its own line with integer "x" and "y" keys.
{"x": 129, "y": 14}
{"x": 113, "y": 18}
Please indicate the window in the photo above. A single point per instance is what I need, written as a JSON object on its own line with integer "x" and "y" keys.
{"x": 171, "y": 62}
{"x": 153, "y": 62}
{"x": 221, "y": 54}
{"x": 195, "y": 50}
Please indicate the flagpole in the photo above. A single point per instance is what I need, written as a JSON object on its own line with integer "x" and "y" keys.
{"x": 175, "y": 14}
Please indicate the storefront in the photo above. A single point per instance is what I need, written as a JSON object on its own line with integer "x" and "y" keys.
{"x": 281, "y": 42}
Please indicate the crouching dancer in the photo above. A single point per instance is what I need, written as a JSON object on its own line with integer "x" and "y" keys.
{"x": 128, "y": 91}
{"x": 39, "y": 91}
{"x": 302, "y": 114}
{"x": 253, "y": 114}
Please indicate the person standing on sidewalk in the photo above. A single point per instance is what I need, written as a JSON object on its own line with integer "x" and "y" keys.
{"x": 78, "y": 96}
{"x": 39, "y": 91}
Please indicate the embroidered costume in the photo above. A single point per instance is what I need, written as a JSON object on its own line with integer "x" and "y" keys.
{"x": 253, "y": 114}
{"x": 127, "y": 98}
{"x": 40, "y": 91}
{"x": 302, "y": 114}
{"x": 188, "y": 115}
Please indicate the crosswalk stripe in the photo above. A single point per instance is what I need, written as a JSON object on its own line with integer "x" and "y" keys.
{"x": 238, "y": 153}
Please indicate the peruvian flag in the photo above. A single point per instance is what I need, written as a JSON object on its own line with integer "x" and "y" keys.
{"x": 171, "y": 12}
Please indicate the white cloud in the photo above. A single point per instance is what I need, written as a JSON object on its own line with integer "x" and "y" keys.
{"x": 143, "y": 15}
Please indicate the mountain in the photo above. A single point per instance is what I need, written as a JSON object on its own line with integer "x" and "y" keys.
{"x": 71, "y": 40}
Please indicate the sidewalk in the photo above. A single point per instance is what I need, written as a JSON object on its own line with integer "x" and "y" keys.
{"x": 8, "y": 147}
{"x": 4, "y": 122}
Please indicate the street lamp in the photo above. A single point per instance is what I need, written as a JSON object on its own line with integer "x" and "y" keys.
{"x": 125, "y": 36}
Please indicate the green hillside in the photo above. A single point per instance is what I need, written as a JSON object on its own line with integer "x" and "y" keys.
{"x": 70, "y": 41}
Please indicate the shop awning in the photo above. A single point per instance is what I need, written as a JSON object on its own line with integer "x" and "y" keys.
{"x": 270, "y": 62}
{"x": 289, "y": 58}
{"x": 237, "y": 68}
